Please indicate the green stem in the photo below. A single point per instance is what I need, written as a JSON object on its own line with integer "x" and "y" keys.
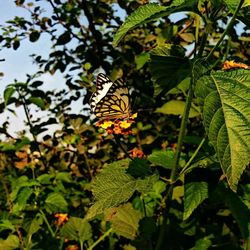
{"x": 47, "y": 223}
{"x": 226, "y": 30}
{"x": 193, "y": 156}
{"x": 163, "y": 229}
{"x": 182, "y": 131}
{"x": 100, "y": 239}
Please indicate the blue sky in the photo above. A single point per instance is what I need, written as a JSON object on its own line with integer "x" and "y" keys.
{"x": 18, "y": 63}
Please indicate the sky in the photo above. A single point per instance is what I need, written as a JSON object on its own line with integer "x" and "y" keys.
{"x": 18, "y": 63}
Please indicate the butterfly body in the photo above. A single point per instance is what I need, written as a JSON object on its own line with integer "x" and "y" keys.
{"x": 111, "y": 99}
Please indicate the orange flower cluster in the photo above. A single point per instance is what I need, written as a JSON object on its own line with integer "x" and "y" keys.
{"x": 118, "y": 126}
{"x": 231, "y": 65}
{"x": 72, "y": 247}
{"x": 136, "y": 153}
{"x": 61, "y": 219}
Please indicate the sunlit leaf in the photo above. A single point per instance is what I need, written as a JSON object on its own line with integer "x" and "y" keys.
{"x": 150, "y": 12}
{"x": 141, "y": 59}
{"x": 225, "y": 98}
{"x": 113, "y": 187}
{"x": 125, "y": 221}
{"x": 6, "y": 225}
{"x": 175, "y": 107}
{"x": 8, "y": 93}
{"x": 194, "y": 194}
{"x": 11, "y": 243}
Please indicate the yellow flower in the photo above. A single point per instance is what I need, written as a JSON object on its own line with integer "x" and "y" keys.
{"x": 106, "y": 124}
{"x": 125, "y": 124}
{"x": 133, "y": 116}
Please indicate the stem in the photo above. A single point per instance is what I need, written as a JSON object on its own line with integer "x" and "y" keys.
{"x": 47, "y": 223}
{"x": 100, "y": 239}
{"x": 226, "y": 30}
{"x": 182, "y": 131}
{"x": 162, "y": 233}
{"x": 122, "y": 148}
{"x": 193, "y": 156}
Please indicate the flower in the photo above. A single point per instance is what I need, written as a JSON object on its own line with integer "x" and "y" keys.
{"x": 118, "y": 126}
{"x": 61, "y": 219}
{"x": 231, "y": 65}
{"x": 72, "y": 247}
{"x": 136, "y": 153}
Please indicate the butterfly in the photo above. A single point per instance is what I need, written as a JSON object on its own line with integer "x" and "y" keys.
{"x": 111, "y": 99}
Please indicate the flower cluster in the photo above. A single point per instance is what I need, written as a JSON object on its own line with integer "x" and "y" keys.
{"x": 232, "y": 64}
{"x": 61, "y": 219}
{"x": 136, "y": 153}
{"x": 118, "y": 126}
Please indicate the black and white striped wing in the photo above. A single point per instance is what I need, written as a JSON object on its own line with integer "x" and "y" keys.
{"x": 113, "y": 102}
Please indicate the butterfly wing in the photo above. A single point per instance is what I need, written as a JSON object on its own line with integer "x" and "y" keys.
{"x": 103, "y": 84}
{"x": 110, "y": 101}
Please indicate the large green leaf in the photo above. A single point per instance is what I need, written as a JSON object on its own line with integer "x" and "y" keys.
{"x": 77, "y": 229}
{"x": 240, "y": 212}
{"x": 113, "y": 187}
{"x": 11, "y": 243}
{"x": 168, "y": 67}
{"x": 150, "y": 12}
{"x": 194, "y": 194}
{"x": 162, "y": 158}
{"x": 125, "y": 220}
{"x": 225, "y": 99}
{"x": 55, "y": 202}
{"x": 176, "y": 107}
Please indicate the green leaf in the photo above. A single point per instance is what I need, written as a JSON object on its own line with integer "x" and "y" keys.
{"x": 20, "y": 183}
{"x": 162, "y": 158}
{"x": 77, "y": 229}
{"x": 34, "y": 36}
{"x": 194, "y": 194}
{"x": 7, "y": 225}
{"x": 139, "y": 168}
{"x": 11, "y": 243}
{"x": 176, "y": 107}
{"x": 64, "y": 38}
{"x": 64, "y": 176}
{"x": 202, "y": 244}
{"x": 8, "y": 93}
{"x": 232, "y": 4}
{"x": 35, "y": 225}
{"x": 140, "y": 16}
{"x": 150, "y": 12}
{"x": 168, "y": 67}
{"x": 22, "y": 199}
{"x": 39, "y": 102}
{"x": 125, "y": 221}
{"x": 113, "y": 187}
{"x": 239, "y": 211}
{"x": 141, "y": 59}
{"x": 55, "y": 202}
{"x": 225, "y": 99}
